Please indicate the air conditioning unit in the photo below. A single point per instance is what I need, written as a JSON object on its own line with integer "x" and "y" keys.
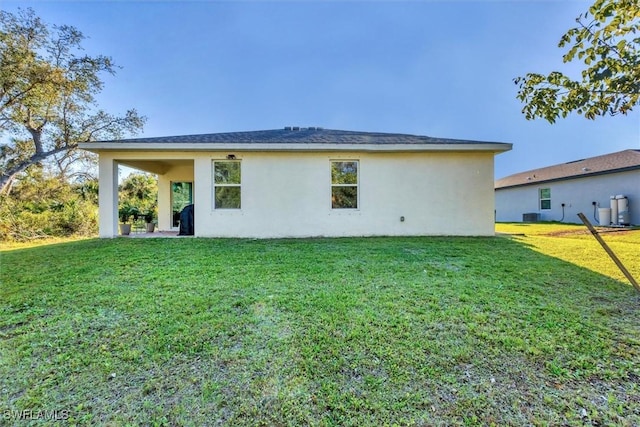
{"x": 531, "y": 217}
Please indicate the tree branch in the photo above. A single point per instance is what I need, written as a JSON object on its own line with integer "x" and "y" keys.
{"x": 8, "y": 174}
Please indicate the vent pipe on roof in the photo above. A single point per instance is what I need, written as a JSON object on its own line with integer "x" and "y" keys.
{"x": 297, "y": 128}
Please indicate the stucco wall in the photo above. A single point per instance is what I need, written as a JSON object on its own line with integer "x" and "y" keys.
{"x": 577, "y": 195}
{"x": 288, "y": 194}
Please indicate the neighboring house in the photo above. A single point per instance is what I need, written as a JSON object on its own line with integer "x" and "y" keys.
{"x": 560, "y": 192}
{"x": 301, "y": 182}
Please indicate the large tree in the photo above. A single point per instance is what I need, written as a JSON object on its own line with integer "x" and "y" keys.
{"x": 47, "y": 94}
{"x": 607, "y": 41}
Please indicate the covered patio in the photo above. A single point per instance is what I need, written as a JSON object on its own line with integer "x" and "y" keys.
{"x": 175, "y": 189}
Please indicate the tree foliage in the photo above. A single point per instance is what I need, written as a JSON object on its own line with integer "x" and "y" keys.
{"x": 47, "y": 95}
{"x": 607, "y": 41}
{"x": 138, "y": 193}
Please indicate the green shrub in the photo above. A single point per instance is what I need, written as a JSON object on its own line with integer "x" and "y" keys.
{"x": 39, "y": 206}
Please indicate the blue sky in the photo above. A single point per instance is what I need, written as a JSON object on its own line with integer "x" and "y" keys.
{"x": 437, "y": 68}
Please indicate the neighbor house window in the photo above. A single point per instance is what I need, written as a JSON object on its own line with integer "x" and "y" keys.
{"x": 344, "y": 184}
{"x": 545, "y": 198}
{"x": 226, "y": 184}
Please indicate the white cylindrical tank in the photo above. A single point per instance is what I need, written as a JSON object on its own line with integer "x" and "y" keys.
{"x": 623, "y": 203}
{"x": 604, "y": 216}
{"x": 623, "y": 209}
{"x": 614, "y": 210}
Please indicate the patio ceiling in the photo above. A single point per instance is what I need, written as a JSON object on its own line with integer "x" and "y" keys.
{"x": 159, "y": 167}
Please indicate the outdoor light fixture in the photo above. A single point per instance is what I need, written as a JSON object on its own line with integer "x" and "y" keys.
{"x": 231, "y": 156}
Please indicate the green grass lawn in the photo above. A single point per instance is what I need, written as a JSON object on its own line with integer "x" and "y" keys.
{"x": 327, "y": 332}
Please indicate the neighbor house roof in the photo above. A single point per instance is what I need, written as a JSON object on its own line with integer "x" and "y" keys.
{"x": 599, "y": 165}
{"x": 296, "y": 138}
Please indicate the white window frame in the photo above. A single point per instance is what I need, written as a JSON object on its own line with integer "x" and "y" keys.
{"x": 544, "y": 199}
{"x": 216, "y": 185}
{"x": 356, "y": 185}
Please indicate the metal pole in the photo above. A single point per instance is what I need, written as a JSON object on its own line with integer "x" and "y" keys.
{"x": 609, "y": 251}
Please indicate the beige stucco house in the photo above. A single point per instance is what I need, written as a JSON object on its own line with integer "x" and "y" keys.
{"x": 302, "y": 182}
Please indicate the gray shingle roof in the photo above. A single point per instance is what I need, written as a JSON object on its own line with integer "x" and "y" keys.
{"x": 608, "y": 163}
{"x": 311, "y": 135}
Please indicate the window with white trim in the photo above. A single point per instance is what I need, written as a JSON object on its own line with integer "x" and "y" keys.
{"x": 545, "y": 198}
{"x": 344, "y": 184}
{"x": 227, "y": 192}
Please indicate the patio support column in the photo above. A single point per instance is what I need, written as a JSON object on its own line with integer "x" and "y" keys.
{"x": 108, "y": 196}
{"x": 165, "y": 217}
{"x": 202, "y": 182}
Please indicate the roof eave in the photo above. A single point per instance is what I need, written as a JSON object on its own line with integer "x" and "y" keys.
{"x": 97, "y": 147}
{"x": 568, "y": 178}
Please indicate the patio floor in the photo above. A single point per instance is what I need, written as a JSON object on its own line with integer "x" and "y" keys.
{"x": 156, "y": 234}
